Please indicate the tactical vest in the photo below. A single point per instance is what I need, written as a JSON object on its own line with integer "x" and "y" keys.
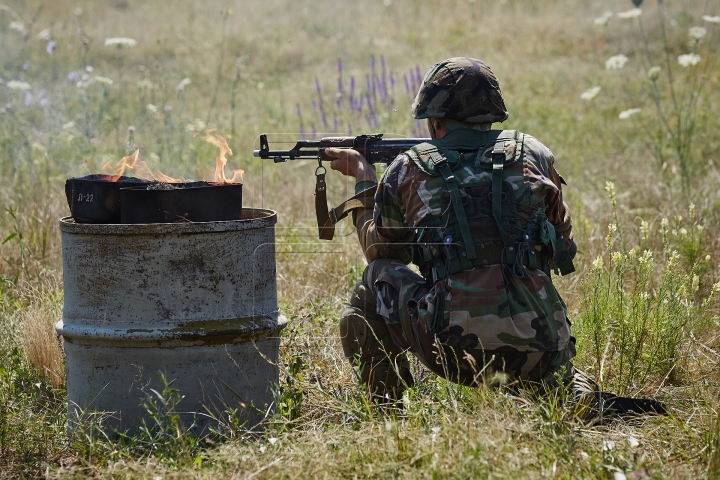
{"x": 479, "y": 222}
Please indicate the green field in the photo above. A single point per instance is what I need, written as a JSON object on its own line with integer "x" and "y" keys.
{"x": 642, "y": 186}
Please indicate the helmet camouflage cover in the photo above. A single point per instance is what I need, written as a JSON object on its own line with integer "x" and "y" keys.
{"x": 463, "y": 89}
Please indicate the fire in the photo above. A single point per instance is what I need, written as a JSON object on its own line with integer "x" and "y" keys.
{"x": 141, "y": 169}
{"x": 220, "y": 161}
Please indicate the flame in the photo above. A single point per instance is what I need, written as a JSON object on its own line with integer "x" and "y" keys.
{"x": 220, "y": 161}
{"x": 138, "y": 166}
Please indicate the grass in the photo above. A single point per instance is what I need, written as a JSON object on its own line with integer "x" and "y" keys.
{"x": 641, "y": 302}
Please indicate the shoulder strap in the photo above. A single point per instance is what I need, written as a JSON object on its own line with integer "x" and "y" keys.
{"x": 327, "y": 219}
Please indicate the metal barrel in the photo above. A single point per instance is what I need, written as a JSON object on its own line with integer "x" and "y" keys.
{"x": 194, "y": 301}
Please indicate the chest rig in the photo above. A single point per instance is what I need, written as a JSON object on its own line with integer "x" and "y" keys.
{"x": 480, "y": 229}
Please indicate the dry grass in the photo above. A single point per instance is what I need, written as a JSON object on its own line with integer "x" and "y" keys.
{"x": 42, "y": 346}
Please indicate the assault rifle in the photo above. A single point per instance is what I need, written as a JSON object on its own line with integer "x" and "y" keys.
{"x": 374, "y": 148}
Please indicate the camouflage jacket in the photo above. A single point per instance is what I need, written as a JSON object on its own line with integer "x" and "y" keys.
{"x": 525, "y": 314}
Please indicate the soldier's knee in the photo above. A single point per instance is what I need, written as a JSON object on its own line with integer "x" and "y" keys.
{"x": 363, "y": 298}
{"x": 353, "y": 332}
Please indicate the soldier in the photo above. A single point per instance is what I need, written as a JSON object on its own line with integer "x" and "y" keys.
{"x": 481, "y": 214}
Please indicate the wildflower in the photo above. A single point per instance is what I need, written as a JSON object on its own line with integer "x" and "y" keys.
{"x": 104, "y": 80}
{"x": 620, "y": 475}
{"x": 168, "y": 108}
{"x": 616, "y": 62}
{"x": 644, "y": 229}
{"x": 51, "y": 46}
{"x": 654, "y": 73}
{"x": 2, "y": 110}
{"x": 598, "y": 263}
{"x": 77, "y": 11}
{"x": 272, "y": 440}
{"x": 697, "y": 33}
{"x": 603, "y": 19}
{"x": 151, "y": 108}
{"x": 591, "y": 93}
{"x": 145, "y": 83}
{"x": 632, "y": 13}
{"x": 17, "y": 85}
{"x": 584, "y": 454}
{"x": 17, "y": 26}
{"x": 625, "y": 114}
{"x": 608, "y": 444}
{"x": 68, "y": 125}
{"x": 183, "y": 83}
{"x": 131, "y": 128}
{"x": 707, "y": 258}
{"x": 73, "y": 76}
{"x": 120, "y": 41}
{"x": 664, "y": 223}
{"x": 44, "y": 34}
{"x": 683, "y": 231}
{"x": 29, "y": 99}
{"x": 617, "y": 258}
{"x": 700, "y": 228}
{"x": 89, "y": 69}
{"x": 689, "y": 60}
{"x": 708, "y": 18}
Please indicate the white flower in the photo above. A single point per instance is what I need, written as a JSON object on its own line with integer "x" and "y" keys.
{"x": 616, "y": 62}
{"x": 120, "y": 41}
{"x": 17, "y": 26}
{"x": 603, "y": 19}
{"x": 708, "y": 18}
{"x": 608, "y": 444}
{"x": 67, "y": 125}
{"x": 44, "y": 34}
{"x": 272, "y": 440}
{"x": 619, "y": 475}
{"x": 689, "y": 59}
{"x": 632, "y": 13}
{"x": 654, "y": 73}
{"x": 591, "y": 93}
{"x": 633, "y": 442}
{"x": 697, "y": 33}
{"x": 88, "y": 68}
{"x": 584, "y": 455}
{"x": 184, "y": 83}
{"x": 625, "y": 114}
{"x": 152, "y": 108}
{"x": 105, "y": 80}
{"x": 17, "y": 85}
{"x": 145, "y": 83}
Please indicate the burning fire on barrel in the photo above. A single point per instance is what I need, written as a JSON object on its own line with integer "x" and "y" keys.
{"x": 173, "y": 276}
{"x": 152, "y": 196}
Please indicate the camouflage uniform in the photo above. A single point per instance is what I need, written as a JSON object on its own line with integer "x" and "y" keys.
{"x": 465, "y": 319}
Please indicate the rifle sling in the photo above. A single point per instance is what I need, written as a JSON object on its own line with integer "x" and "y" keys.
{"x": 328, "y": 218}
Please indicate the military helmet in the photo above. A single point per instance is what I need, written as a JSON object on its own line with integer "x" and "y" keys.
{"x": 460, "y": 88}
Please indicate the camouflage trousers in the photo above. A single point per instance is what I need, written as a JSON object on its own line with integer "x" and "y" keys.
{"x": 387, "y": 294}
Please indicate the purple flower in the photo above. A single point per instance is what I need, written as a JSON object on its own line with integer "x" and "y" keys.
{"x": 25, "y": 66}
{"x": 324, "y": 118}
{"x": 372, "y": 62}
{"x": 339, "y": 65}
{"x": 79, "y": 31}
{"x": 92, "y": 140}
{"x": 318, "y": 89}
{"x": 168, "y": 108}
{"x": 131, "y": 128}
{"x": 298, "y": 111}
{"x": 407, "y": 84}
{"x": 51, "y": 46}
{"x": 8, "y": 105}
{"x": 73, "y": 76}
{"x": 2, "y": 110}
{"x": 29, "y": 99}
{"x": 44, "y": 102}
{"x": 313, "y": 103}
{"x": 392, "y": 81}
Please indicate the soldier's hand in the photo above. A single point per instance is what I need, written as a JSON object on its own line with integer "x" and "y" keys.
{"x": 351, "y": 163}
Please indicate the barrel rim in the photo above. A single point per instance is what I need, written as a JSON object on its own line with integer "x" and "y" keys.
{"x": 258, "y": 218}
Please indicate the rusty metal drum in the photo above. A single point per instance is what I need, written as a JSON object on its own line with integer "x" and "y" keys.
{"x": 194, "y": 301}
